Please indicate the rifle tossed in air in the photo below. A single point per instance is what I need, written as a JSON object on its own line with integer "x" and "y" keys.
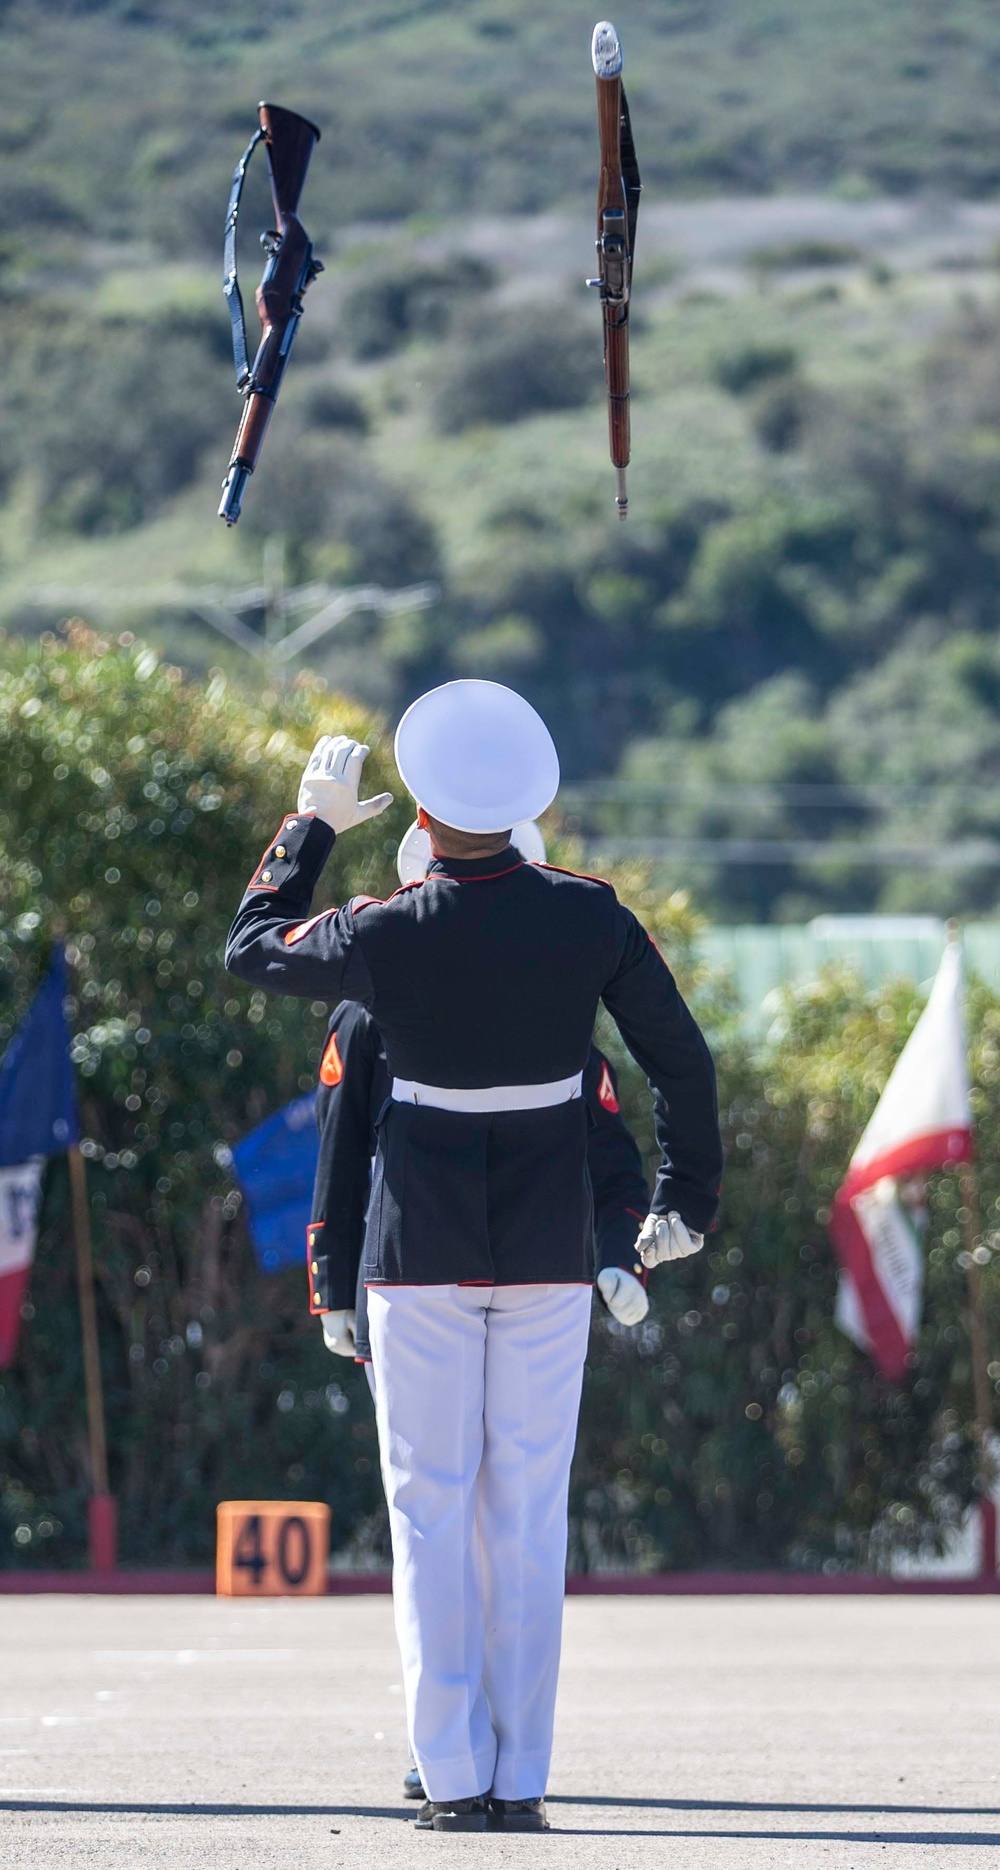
{"x": 289, "y": 141}
{"x": 618, "y": 193}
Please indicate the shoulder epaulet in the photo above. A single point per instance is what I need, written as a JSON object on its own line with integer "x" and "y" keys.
{"x": 582, "y": 876}
{"x": 379, "y": 902}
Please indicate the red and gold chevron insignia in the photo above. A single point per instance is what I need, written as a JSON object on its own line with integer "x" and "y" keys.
{"x": 606, "y": 1092}
{"x": 332, "y": 1067}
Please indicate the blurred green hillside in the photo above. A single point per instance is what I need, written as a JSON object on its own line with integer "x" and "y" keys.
{"x": 118, "y": 112}
{"x": 782, "y": 678}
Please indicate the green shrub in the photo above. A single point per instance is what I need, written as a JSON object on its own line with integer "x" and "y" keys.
{"x": 518, "y": 363}
{"x": 746, "y": 365}
{"x": 111, "y": 420}
{"x": 316, "y": 491}
{"x": 331, "y": 406}
{"x": 779, "y": 416}
{"x": 388, "y": 306}
{"x": 133, "y": 805}
{"x": 808, "y": 252}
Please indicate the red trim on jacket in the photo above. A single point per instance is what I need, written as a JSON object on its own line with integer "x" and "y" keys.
{"x": 379, "y": 902}
{"x": 302, "y": 929}
{"x": 442, "y": 876}
{"x": 268, "y": 857}
{"x": 583, "y": 875}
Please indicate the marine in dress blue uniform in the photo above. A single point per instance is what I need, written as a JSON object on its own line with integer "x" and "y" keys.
{"x": 484, "y": 981}
{"x": 354, "y": 1086}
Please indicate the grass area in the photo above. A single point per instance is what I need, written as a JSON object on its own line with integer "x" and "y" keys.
{"x": 119, "y": 120}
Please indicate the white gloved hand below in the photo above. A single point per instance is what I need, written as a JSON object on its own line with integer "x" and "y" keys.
{"x": 623, "y": 1294}
{"x": 665, "y": 1237}
{"x": 338, "y": 1331}
{"x": 329, "y": 786}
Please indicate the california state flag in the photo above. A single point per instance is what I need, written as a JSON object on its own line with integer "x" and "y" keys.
{"x": 922, "y": 1121}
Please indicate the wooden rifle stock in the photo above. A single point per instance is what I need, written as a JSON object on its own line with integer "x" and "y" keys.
{"x": 289, "y": 141}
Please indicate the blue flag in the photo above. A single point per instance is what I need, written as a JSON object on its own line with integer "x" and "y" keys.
{"x": 38, "y": 1115}
{"x": 276, "y": 1167}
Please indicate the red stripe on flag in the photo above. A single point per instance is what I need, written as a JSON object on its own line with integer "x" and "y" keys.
{"x": 12, "y": 1290}
{"x": 937, "y": 1150}
{"x": 889, "y": 1347}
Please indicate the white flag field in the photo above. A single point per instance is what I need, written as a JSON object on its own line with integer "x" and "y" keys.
{"x": 20, "y": 1193}
{"x": 922, "y": 1121}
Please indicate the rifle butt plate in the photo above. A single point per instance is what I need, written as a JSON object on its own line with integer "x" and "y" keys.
{"x": 606, "y": 50}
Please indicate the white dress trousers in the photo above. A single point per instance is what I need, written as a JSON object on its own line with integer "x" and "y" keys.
{"x": 477, "y": 1396}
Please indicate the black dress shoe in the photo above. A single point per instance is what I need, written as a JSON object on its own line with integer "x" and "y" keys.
{"x": 452, "y": 1815}
{"x": 413, "y": 1787}
{"x": 518, "y": 1814}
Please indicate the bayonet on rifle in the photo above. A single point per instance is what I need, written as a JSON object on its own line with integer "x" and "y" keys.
{"x": 289, "y": 141}
{"x": 617, "y": 211}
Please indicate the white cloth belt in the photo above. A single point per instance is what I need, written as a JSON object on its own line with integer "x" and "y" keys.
{"x": 490, "y": 1097}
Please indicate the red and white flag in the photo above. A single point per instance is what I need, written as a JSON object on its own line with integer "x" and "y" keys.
{"x": 20, "y": 1190}
{"x": 38, "y": 1118}
{"x": 922, "y": 1121}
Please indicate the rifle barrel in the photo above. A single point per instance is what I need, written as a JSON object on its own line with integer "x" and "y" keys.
{"x": 246, "y": 452}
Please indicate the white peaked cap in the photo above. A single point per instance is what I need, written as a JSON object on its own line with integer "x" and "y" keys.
{"x": 477, "y": 757}
{"x": 415, "y": 852}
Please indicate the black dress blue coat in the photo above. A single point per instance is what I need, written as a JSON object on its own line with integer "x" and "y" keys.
{"x": 353, "y": 1087}
{"x": 488, "y": 972}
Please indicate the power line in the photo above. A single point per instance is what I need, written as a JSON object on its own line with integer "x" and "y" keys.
{"x": 223, "y": 610}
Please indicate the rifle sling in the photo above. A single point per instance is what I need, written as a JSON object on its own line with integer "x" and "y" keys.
{"x": 630, "y": 177}
{"x": 230, "y": 277}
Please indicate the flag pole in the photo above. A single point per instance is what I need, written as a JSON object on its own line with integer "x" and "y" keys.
{"x": 102, "y": 1514}
{"x": 978, "y": 1345}
{"x": 972, "y": 1229}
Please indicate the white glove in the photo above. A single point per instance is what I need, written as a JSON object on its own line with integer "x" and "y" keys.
{"x": 623, "y": 1294}
{"x": 666, "y": 1239}
{"x": 339, "y": 1327}
{"x": 330, "y": 784}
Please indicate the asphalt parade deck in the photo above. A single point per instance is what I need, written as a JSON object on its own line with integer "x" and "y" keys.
{"x": 730, "y": 1733}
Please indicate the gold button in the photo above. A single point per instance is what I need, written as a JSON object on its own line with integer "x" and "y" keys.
{"x": 265, "y": 876}
{"x": 637, "y": 1269}
{"x": 280, "y": 851}
{"x": 290, "y": 824}
{"x": 314, "y": 1268}
{"x": 316, "y": 1299}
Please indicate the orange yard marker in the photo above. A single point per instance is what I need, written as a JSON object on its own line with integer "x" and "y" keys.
{"x": 272, "y": 1548}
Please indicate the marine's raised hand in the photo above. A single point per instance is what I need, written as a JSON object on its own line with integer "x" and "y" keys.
{"x": 330, "y": 783}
